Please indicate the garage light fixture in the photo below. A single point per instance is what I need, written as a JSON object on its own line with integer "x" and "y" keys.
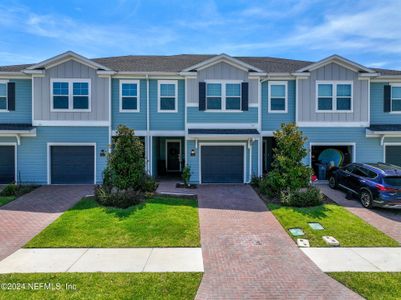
{"x": 102, "y": 153}
{"x": 193, "y": 152}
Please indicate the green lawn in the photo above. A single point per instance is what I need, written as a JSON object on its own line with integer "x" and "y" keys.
{"x": 159, "y": 222}
{"x": 104, "y": 286}
{"x": 372, "y": 286}
{"x": 348, "y": 229}
{"x": 6, "y": 199}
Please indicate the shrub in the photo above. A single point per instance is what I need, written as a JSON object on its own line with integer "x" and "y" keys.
{"x": 9, "y": 190}
{"x": 186, "y": 175}
{"x": 118, "y": 198}
{"x": 256, "y": 181}
{"x": 288, "y": 171}
{"x": 305, "y": 197}
{"x": 149, "y": 184}
{"x": 17, "y": 190}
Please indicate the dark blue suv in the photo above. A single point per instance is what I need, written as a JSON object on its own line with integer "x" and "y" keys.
{"x": 377, "y": 184}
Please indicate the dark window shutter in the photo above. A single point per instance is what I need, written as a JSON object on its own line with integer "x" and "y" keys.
{"x": 202, "y": 96}
{"x": 387, "y": 98}
{"x": 245, "y": 92}
{"x": 11, "y": 95}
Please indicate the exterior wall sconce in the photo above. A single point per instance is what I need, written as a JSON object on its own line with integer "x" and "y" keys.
{"x": 193, "y": 152}
{"x": 102, "y": 153}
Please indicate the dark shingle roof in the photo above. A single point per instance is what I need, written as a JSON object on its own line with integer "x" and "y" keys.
{"x": 176, "y": 63}
{"x": 223, "y": 131}
{"x": 14, "y": 127}
{"x": 385, "y": 127}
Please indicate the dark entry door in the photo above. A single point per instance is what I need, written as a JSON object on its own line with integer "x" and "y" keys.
{"x": 173, "y": 156}
{"x": 72, "y": 164}
{"x": 222, "y": 164}
{"x": 393, "y": 155}
{"x": 7, "y": 164}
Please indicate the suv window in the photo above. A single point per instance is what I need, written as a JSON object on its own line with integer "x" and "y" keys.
{"x": 349, "y": 168}
{"x": 359, "y": 172}
{"x": 364, "y": 172}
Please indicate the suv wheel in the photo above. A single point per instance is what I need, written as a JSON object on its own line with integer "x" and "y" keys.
{"x": 366, "y": 199}
{"x": 332, "y": 182}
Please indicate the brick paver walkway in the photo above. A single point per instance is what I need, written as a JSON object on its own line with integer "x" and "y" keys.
{"x": 25, "y": 217}
{"x": 386, "y": 220}
{"x": 248, "y": 255}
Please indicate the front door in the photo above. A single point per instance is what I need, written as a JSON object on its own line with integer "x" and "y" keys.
{"x": 173, "y": 156}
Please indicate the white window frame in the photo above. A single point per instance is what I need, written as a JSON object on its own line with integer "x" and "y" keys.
{"x": 285, "y": 83}
{"x": 334, "y": 83}
{"x": 391, "y": 103}
{"x": 138, "y": 94}
{"x": 6, "y": 83}
{"x": 70, "y": 82}
{"x": 159, "y": 83}
{"x": 223, "y": 95}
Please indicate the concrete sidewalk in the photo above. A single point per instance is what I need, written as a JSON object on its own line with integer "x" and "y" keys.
{"x": 103, "y": 260}
{"x": 356, "y": 259}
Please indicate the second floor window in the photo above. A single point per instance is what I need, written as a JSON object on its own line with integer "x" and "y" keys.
{"x": 334, "y": 97}
{"x": 129, "y": 96}
{"x": 3, "y": 96}
{"x": 277, "y": 97}
{"x": 167, "y": 96}
{"x": 223, "y": 96}
{"x": 396, "y": 98}
{"x": 70, "y": 95}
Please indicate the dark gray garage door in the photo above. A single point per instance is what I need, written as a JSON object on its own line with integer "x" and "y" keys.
{"x": 222, "y": 164}
{"x": 72, "y": 164}
{"x": 7, "y": 164}
{"x": 393, "y": 155}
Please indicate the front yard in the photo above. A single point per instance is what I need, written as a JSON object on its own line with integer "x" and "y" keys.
{"x": 6, "y": 199}
{"x": 102, "y": 286}
{"x": 348, "y": 229}
{"x": 159, "y": 222}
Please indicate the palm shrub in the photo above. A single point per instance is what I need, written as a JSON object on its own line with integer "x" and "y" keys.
{"x": 125, "y": 180}
{"x": 288, "y": 173}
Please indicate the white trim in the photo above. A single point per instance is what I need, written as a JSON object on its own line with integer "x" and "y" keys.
{"x": 269, "y": 103}
{"x": 160, "y": 82}
{"x": 168, "y": 132}
{"x": 71, "y": 55}
{"x": 223, "y": 144}
{"x": 71, "y": 123}
{"x": 179, "y": 155}
{"x": 70, "y": 82}
{"x": 397, "y": 85}
{"x": 311, "y": 144}
{"x": 223, "y": 95}
{"x": 334, "y": 96}
{"x": 389, "y": 144}
{"x": 332, "y": 124}
{"x": 15, "y": 158}
{"x": 110, "y": 116}
{"x": 296, "y": 99}
{"x": 260, "y": 157}
{"x": 222, "y": 125}
{"x": 6, "y": 83}
{"x": 50, "y": 144}
{"x": 338, "y": 60}
{"x": 222, "y": 58}
{"x": 267, "y": 133}
{"x": 138, "y": 96}
{"x": 147, "y": 105}
{"x": 259, "y": 105}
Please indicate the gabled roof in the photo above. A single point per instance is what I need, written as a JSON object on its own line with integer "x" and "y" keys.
{"x": 339, "y": 60}
{"x": 58, "y": 59}
{"x": 223, "y": 58}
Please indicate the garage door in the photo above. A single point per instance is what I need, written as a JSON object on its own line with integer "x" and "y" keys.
{"x": 72, "y": 164}
{"x": 7, "y": 164}
{"x": 393, "y": 155}
{"x": 222, "y": 164}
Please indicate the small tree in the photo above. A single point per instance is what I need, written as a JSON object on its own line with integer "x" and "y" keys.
{"x": 126, "y": 164}
{"x": 288, "y": 172}
{"x": 186, "y": 175}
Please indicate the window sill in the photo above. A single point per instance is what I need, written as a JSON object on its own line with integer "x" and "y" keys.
{"x": 70, "y": 110}
{"x": 277, "y": 112}
{"x": 129, "y": 111}
{"x": 334, "y": 111}
{"x": 223, "y": 111}
{"x": 167, "y": 111}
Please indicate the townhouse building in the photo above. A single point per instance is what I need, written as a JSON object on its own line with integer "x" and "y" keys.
{"x": 215, "y": 113}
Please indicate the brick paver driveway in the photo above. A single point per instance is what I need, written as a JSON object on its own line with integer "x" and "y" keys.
{"x": 248, "y": 255}
{"x": 25, "y": 217}
{"x": 386, "y": 220}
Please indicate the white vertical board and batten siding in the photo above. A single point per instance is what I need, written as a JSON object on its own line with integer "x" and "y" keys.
{"x": 71, "y": 69}
{"x": 221, "y": 71}
{"x": 332, "y": 72}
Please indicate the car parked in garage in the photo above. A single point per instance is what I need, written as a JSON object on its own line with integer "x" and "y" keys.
{"x": 375, "y": 184}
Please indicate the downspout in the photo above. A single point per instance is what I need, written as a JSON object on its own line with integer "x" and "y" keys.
{"x": 149, "y": 165}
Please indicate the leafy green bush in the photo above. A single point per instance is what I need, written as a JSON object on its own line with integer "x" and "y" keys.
{"x": 149, "y": 184}
{"x": 256, "y": 181}
{"x": 305, "y": 197}
{"x": 17, "y": 190}
{"x": 118, "y": 198}
{"x": 9, "y": 190}
{"x": 288, "y": 171}
{"x": 186, "y": 175}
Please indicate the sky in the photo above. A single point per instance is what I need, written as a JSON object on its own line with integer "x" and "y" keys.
{"x": 365, "y": 31}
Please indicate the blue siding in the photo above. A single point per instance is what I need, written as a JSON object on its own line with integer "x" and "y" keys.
{"x": 272, "y": 121}
{"x": 197, "y": 116}
{"x": 23, "y": 103}
{"x": 377, "y": 114}
{"x": 167, "y": 121}
{"x": 367, "y": 149}
{"x": 134, "y": 120}
{"x": 32, "y": 153}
